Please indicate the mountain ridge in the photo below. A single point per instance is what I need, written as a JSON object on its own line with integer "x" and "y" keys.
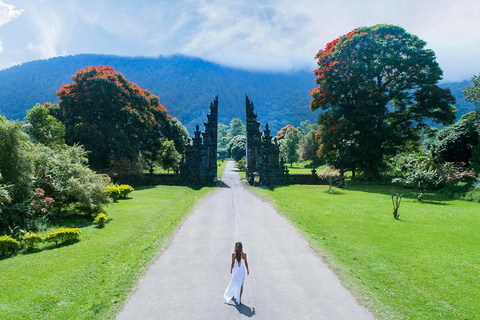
{"x": 186, "y": 86}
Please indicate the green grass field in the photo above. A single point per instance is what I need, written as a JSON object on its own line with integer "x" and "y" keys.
{"x": 221, "y": 168}
{"x": 92, "y": 279}
{"x": 426, "y": 266}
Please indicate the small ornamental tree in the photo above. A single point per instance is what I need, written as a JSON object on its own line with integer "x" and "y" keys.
{"x": 376, "y": 86}
{"x": 111, "y": 116}
{"x": 331, "y": 175}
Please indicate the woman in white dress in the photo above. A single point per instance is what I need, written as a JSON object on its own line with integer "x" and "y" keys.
{"x": 238, "y": 270}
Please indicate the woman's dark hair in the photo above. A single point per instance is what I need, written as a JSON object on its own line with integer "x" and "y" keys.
{"x": 238, "y": 251}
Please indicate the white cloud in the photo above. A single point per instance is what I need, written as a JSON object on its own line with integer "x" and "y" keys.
{"x": 8, "y": 13}
{"x": 252, "y": 34}
{"x": 49, "y": 26}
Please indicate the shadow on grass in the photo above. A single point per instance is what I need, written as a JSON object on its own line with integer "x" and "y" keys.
{"x": 429, "y": 198}
{"x": 74, "y": 221}
{"x": 334, "y": 191}
{"x": 28, "y": 251}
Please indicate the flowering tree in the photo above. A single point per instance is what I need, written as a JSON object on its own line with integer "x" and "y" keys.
{"x": 111, "y": 116}
{"x": 375, "y": 85}
{"x": 331, "y": 175}
{"x": 284, "y": 130}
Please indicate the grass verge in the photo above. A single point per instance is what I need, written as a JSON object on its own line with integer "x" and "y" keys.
{"x": 92, "y": 279}
{"x": 425, "y": 266}
{"x": 221, "y": 167}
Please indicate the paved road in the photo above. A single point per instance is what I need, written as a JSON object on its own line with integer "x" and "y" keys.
{"x": 287, "y": 280}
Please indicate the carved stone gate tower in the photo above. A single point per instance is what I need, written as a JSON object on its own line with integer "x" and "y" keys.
{"x": 263, "y": 152}
{"x": 199, "y": 165}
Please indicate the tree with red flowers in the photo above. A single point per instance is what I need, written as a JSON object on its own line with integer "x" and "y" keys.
{"x": 112, "y": 117}
{"x": 377, "y": 86}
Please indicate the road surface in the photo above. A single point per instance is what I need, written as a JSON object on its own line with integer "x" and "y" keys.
{"x": 287, "y": 279}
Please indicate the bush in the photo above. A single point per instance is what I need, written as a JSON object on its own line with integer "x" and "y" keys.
{"x": 64, "y": 175}
{"x": 242, "y": 164}
{"x": 113, "y": 191}
{"x": 416, "y": 171}
{"x": 116, "y": 192}
{"x": 31, "y": 239}
{"x": 100, "y": 220}
{"x": 125, "y": 190}
{"x": 64, "y": 235}
{"x": 8, "y": 244}
{"x": 474, "y": 193}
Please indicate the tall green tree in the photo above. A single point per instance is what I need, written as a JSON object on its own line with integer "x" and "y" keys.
{"x": 43, "y": 127}
{"x": 237, "y": 128}
{"x": 377, "y": 85}
{"x": 308, "y": 147}
{"x": 111, "y": 116}
{"x": 170, "y": 158}
{"x": 289, "y": 145}
{"x": 16, "y": 160}
{"x": 472, "y": 93}
{"x": 237, "y": 147}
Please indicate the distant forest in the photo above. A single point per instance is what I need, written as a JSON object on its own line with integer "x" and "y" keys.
{"x": 185, "y": 85}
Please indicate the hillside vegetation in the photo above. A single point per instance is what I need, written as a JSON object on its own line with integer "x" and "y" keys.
{"x": 185, "y": 85}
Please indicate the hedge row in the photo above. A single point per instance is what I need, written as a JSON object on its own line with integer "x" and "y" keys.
{"x": 8, "y": 244}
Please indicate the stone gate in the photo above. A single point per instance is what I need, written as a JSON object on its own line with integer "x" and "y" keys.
{"x": 199, "y": 164}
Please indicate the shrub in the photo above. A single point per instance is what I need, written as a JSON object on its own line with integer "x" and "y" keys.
{"x": 113, "y": 191}
{"x": 116, "y": 192}
{"x": 64, "y": 175}
{"x": 100, "y": 220}
{"x": 64, "y": 235}
{"x": 474, "y": 193}
{"x": 31, "y": 239}
{"x": 125, "y": 190}
{"x": 8, "y": 244}
{"x": 416, "y": 171}
{"x": 242, "y": 164}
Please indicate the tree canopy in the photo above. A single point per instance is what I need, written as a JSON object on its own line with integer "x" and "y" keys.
{"x": 377, "y": 85}
{"x": 111, "y": 116}
{"x": 472, "y": 93}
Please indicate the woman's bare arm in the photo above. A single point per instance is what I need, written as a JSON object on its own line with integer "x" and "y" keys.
{"x": 246, "y": 262}
{"x": 233, "y": 261}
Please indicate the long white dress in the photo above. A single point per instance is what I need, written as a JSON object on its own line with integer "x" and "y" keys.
{"x": 238, "y": 278}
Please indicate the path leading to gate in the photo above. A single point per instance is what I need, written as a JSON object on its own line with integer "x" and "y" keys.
{"x": 287, "y": 280}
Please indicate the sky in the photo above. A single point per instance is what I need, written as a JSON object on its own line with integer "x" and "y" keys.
{"x": 264, "y": 35}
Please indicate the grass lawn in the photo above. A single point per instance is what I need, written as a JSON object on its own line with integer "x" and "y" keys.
{"x": 221, "y": 168}
{"x": 298, "y": 169}
{"x": 426, "y": 266}
{"x": 92, "y": 279}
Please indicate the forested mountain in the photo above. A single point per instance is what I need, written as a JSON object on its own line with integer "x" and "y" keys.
{"x": 185, "y": 85}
